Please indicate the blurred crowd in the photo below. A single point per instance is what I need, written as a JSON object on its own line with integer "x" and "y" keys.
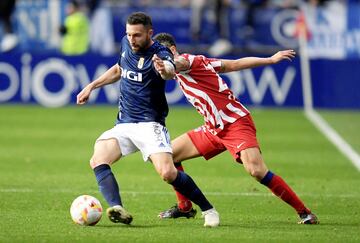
{"x": 9, "y": 39}
{"x": 189, "y": 3}
{"x": 88, "y": 24}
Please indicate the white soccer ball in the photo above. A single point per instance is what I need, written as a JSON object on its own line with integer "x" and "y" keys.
{"x": 86, "y": 210}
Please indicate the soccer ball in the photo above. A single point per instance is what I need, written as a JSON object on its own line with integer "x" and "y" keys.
{"x": 86, "y": 210}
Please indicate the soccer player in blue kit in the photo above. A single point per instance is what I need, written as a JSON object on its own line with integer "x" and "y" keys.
{"x": 143, "y": 67}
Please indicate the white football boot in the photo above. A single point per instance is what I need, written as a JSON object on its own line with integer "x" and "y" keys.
{"x": 118, "y": 214}
{"x": 212, "y": 218}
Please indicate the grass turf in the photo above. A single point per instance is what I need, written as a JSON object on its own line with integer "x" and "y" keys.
{"x": 44, "y": 157}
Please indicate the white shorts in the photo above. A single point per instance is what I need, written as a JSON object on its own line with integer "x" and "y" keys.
{"x": 148, "y": 137}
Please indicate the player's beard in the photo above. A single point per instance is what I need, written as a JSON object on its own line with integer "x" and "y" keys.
{"x": 142, "y": 46}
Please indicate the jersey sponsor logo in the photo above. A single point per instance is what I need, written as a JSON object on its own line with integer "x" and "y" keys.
{"x": 131, "y": 75}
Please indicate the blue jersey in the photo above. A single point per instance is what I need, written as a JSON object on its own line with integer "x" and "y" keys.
{"x": 142, "y": 90}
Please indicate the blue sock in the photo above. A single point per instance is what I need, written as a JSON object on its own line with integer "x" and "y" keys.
{"x": 107, "y": 184}
{"x": 186, "y": 186}
{"x": 267, "y": 178}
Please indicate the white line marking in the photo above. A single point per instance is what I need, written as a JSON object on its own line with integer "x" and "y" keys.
{"x": 229, "y": 194}
{"x": 312, "y": 115}
{"x": 305, "y": 70}
{"x": 334, "y": 137}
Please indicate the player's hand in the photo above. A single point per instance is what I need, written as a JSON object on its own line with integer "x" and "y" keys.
{"x": 84, "y": 95}
{"x": 282, "y": 55}
{"x": 158, "y": 64}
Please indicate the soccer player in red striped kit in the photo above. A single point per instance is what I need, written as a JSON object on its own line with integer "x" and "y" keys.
{"x": 228, "y": 124}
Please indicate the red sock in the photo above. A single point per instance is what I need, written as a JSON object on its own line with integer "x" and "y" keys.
{"x": 183, "y": 202}
{"x": 279, "y": 187}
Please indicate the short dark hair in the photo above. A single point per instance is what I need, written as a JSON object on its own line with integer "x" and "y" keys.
{"x": 75, "y": 3}
{"x": 140, "y": 18}
{"x": 165, "y": 39}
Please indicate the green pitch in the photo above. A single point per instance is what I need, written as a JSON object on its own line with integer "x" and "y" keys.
{"x": 44, "y": 157}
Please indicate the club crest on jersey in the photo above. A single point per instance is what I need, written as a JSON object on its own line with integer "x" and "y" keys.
{"x": 141, "y": 62}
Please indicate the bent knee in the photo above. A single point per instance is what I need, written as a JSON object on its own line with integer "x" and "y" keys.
{"x": 254, "y": 163}
{"x": 256, "y": 168}
{"x": 100, "y": 159}
{"x": 168, "y": 175}
{"x": 257, "y": 173}
{"x": 95, "y": 162}
{"x": 105, "y": 152}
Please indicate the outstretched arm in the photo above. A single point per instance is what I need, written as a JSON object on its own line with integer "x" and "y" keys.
{"x": 110, "y": 76}
{"x": 251, "y": 62}
{"x": 181, "y": 64}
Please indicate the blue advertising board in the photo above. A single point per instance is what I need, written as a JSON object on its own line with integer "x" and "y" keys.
{"x": 54, "y": 81}
{"x": 336, "y": 83}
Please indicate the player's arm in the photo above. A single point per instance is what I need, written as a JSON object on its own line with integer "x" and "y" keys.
{"x": 181, "y": 64}
{"x": 165, "y": 68}
{"x": 252, "y": 62}
{"x": 112, "y": 75}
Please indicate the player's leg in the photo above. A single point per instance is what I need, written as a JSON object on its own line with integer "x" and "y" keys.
{"x": 240, "y": 140}
{"x": 195, "y": 143}
{"x": 109, "y": 147}
{"x": 106, "y": 152}
{"x": 183, "y": 149}
{"x": 255, "y": 166}
{"x": 253, "y": 163}
{"x": 183, "y": 183}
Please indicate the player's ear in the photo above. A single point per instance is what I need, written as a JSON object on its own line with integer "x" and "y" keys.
{"x": 173, "y": 49}
{"x": 150, "y": 32}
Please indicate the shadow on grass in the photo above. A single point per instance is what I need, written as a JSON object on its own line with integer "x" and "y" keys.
{"x": 129, "y": 226}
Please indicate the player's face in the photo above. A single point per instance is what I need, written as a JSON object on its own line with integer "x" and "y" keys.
{"x": 139, "y": 36}
{"x": 173, "y": 50}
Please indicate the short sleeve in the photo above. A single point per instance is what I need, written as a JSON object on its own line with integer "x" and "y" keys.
{"x": 214, "y": 62}
{"x": 121, "y": 50}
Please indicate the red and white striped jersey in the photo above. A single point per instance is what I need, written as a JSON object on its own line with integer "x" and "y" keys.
{"x": 208, "y": 92}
